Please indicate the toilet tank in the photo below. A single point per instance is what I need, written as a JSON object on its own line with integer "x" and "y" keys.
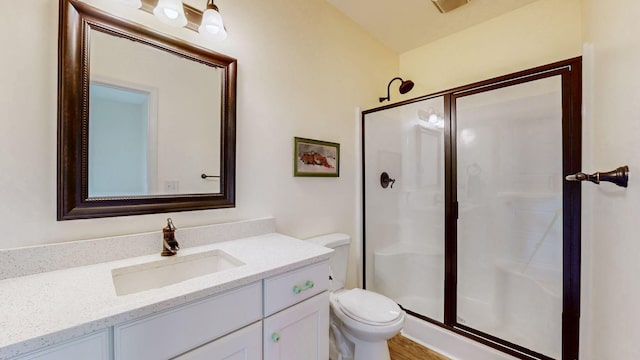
{"x": 340, "y": 257}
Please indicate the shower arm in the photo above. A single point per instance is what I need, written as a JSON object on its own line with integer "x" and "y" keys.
{"x": 389, "y": 89}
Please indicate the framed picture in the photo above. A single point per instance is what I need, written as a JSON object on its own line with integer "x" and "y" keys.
{"x": 315, "y": 158}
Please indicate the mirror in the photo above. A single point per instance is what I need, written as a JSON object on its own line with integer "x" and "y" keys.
{"x": 144, "y": 128}
{"x": 146, "y": 122}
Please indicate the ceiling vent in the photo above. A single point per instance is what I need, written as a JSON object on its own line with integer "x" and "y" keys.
{"x": 447, "y": 5}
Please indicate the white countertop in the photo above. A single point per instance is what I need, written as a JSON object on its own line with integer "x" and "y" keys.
{"x": 47, "y": 308}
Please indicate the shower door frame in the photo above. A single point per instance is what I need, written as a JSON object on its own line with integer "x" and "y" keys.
{"x": 571, "y": 74}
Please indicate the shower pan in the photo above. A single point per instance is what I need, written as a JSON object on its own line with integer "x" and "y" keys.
{"x": 477, "y": 230}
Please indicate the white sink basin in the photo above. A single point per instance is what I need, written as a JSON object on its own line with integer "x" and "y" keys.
{"x": 171, "y": 270}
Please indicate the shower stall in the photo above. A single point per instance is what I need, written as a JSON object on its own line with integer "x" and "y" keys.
{"x": 468, "y": 222}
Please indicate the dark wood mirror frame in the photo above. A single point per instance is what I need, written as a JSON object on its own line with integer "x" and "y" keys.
{"x": 76, "y": 19}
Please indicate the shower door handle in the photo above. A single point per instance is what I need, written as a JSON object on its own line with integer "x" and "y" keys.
{"x": 619, "y": 176}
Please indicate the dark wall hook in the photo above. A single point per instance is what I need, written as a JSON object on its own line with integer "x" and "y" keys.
{"x": 204, "y": 176}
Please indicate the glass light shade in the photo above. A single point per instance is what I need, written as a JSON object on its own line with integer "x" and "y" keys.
{"x": 212, "y": 25}
{"x": 170, "y": 12}
{"x": 133, "y": 3}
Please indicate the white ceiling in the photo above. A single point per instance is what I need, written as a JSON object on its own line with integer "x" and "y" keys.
{"x": 404, "y": 25}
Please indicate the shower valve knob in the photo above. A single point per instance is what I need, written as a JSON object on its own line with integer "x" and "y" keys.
{"x": 386, "y": 181}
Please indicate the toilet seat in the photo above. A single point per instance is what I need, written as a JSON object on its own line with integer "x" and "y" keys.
{"x": 368, "y": 307}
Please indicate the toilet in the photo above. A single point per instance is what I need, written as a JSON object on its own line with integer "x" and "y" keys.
{"x": 364, "y": 318}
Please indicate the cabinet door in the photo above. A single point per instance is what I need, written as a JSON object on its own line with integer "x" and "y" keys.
{"x": 95, "y": 346}
{"x": 299, "y": 332}
{"x": 244, "y": 344}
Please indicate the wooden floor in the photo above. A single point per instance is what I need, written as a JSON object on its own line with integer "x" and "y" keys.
{"x": 402, "y": 348}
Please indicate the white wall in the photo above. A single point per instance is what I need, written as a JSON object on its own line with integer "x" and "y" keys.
{"x": 537, "y": 34}
{"x": 303, "y": 69}
{"x": 611, "y": 31}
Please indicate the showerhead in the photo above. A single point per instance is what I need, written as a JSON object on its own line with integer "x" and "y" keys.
{"x": 405, "y": 87}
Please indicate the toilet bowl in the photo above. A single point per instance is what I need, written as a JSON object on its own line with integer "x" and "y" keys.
{"x": 365, "y": 318}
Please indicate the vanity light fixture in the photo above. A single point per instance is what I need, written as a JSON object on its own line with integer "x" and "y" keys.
{"x": 448, "y": 5}
{"x": 176, "y": 13}
{"x": 405, "y": 87}
{"x": 212, "y": 25}
{"x": 170, "y": 12}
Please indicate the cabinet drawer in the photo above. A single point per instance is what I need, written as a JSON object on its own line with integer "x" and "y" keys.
{"x": 290, "y": 288}
{"x": 244, "y": 344}
{"x": 95, "y": 346}
{"x": 179, "y": 330}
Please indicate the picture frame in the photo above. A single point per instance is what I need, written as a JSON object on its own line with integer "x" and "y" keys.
{"x": 315, "y": 158}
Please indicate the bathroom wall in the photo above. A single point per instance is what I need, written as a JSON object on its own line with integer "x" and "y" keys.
{"x": 536, "y": 34}
{"x": 613, "y": 107}
{"x": 303, "y": 69}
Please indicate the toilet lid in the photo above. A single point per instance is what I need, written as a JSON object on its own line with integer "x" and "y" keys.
{"x": 368, "y": 307}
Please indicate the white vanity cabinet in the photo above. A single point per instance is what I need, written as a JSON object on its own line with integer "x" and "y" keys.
{"x": 244, "y": 344}
{"x": 184, "y": 328}
{"x": 293, "y": 307}
{"x": 95, "y": 346}
{"x": 296, "y": 324}
{"x": 74, "y": 308}
{"x": 281, "y": 317}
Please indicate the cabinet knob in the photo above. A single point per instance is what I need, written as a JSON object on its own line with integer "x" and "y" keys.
{"x": 275, "y": 337}
{"x": 307, "y": 285}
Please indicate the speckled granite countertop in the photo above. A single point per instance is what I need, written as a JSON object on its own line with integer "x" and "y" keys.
{"x": 43, "y": 309}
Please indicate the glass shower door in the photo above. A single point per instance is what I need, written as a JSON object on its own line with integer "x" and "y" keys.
{"x": 404, "y": 218}
{"x": 510, "y": 217}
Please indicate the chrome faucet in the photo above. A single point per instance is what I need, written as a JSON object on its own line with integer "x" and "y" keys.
{"x": 170, "y": 245}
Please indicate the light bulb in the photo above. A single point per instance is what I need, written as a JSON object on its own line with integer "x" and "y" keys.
{"x": 212, "y": 25}
{"x": 170, "y": 12}
{"x": 213, "y": 29}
